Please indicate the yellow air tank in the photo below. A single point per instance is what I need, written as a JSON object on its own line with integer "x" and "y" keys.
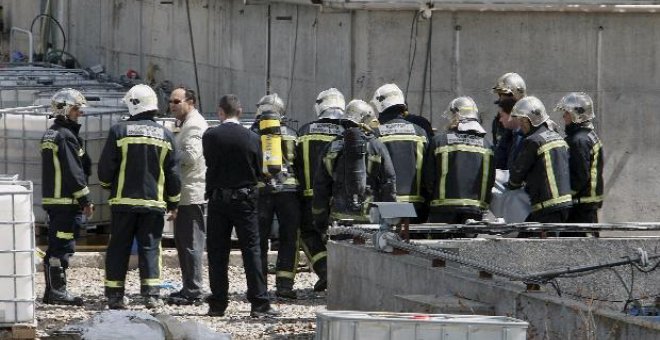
{"x": 271, "y": 143}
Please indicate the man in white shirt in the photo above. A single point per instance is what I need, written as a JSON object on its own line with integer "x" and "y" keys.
{"x": 189, "y": 228}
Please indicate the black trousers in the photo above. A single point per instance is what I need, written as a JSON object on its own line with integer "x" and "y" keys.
{"x": 542, "y": 216}
{"x": 223, "y": 215}
{"x": 313, "y": 243}
{"x": 63, "y": 230}
{"x": 287, "y": 207}
{"x": 190, "y": 240}
{"x": 582, "y": 214}
{"x": 145, "y": 227}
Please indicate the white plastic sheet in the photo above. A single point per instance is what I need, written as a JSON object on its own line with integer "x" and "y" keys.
{"x": 512, "y": 205}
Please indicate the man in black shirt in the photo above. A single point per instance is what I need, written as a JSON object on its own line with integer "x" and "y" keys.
{"x": 233, "y": 161}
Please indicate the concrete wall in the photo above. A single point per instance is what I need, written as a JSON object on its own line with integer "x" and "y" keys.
{"x": 612, "y": 56}
{"x": 361, "y": 278}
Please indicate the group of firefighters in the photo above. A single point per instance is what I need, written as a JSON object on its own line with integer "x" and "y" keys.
{"x": 330, "y": 169}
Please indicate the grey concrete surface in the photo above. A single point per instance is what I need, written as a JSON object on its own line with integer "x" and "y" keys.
{"x": 612, "y": 56}
{"x": 363, "y": 279}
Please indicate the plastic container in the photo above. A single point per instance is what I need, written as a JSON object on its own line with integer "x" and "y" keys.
{"x": 17, "y": 292}
{"x": 353, "y": 325}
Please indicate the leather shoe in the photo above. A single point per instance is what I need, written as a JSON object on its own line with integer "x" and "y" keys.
{"x": 264, "y": 312}
{"x": 321, "y": 285}
{"x": 177, "y": 298}
{"x": 286, "y": 293}
{"x": 216, "y": 312}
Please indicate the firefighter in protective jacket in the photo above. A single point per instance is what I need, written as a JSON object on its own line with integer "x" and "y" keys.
{"x": 65, "y": 169}
{"x": 138, "y": 165}
{"x": 356, "y": 170}
{"x": 586, "y": 157}
{"x": 278, "y": 192}
{"x": 406, "y": 143}
{"x": 313, "y": 139}
{"x": 542, "y": 164}
{"x": 459, "y": 166}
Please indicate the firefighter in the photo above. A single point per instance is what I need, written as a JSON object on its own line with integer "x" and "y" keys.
{"x": 459, "y": 166}
{"x": 356, "y": 170}
{"x": 406, "y": 143}
{"x": 586, "y": 157}
{"x": 507, "y": 136}
{"x": 278, "y": 193}
{"x": 542, "y": 164}
{"x": 138, "y": 165}
{"x": 65, "y": 195}
{"x": 312, "y": 140}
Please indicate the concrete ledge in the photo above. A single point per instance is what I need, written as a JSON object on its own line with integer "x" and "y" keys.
{"x": 361, "y": 278}
{"x": 440, "y": 304}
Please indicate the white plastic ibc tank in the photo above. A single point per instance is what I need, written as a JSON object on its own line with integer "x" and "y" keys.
{"x": 352, "y": 325}
{"x": 16, "y": 254}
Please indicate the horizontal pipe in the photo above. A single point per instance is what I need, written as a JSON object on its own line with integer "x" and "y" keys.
{"x": 458, "y": 6}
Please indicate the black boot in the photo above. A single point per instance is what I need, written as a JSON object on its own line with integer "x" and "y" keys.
{"x": 56, "y": 293}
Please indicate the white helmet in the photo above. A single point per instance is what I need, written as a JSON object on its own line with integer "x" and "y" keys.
{"x": 64, "y": 99}
{"x": 579, "y": 105}
{"x": 140, "y": 98}
{"x": 511, "y": 83}
{"x": 387, "y": 96}
{"x": 532, "y": 108}
{"x": 462, "y": 108}
{"x": 270, "y": 102}
{"x": 357, "y": 110}
{"x": 330, "y": 104}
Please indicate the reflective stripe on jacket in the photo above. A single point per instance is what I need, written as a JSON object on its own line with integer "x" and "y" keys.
{"x": 138, "y": 164}
{"x": 586, "y": 165}
{"x": 542, "y": 165}
{"x": 64, "y": 182}
{"x": 407, "y": 144}
{"x": 313, "y": 138}
{"x": 459, "y": 171}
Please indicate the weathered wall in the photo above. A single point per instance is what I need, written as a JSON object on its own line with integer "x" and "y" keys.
{"x": 612, "y": 56}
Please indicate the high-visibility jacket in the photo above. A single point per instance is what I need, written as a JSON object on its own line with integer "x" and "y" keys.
{"x": 64, "y": 174}
{"x": 586, "y": 165}
{"x": 459, "y": 170}
{"x": 407, "y": 144}
{"x": 542, "y": 165}
{"x": 138, "y": 164}
{"x": 313, "y": 138}
{"x": 330, "y": 196}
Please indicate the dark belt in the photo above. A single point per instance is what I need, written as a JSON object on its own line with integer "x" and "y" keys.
{"x": 237, "y": 194}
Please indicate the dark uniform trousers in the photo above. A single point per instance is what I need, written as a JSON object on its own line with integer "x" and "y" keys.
{"x": 582, "y": 214}
{"x": 63, "y": 230}
{"x": 190, "y": 240}
{"x": 313, "y": 243}
{"x": 287, "y": 207}
{"x": 145, "y": 227}
{"x": 541, "y": 216}
{"x": 223, "y": 215}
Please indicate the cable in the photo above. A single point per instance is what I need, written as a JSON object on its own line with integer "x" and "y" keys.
{"x": 412, "y": 48}
{"x": 192, "y": 46}
{"x": 426, "y": 66}
{"x": 293, "y": 63}
{"x": 56, "y": 22}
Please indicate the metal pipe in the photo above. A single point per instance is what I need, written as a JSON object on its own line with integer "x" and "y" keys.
{"x": 484, "y": 6}
{"x": 192, "y": 47}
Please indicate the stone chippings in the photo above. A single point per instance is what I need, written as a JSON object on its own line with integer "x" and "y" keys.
{"x": 298, "y": 320}
{"x": 600, "y": 289}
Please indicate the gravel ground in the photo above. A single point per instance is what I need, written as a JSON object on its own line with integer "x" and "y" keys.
{"x": 298, "y": 320}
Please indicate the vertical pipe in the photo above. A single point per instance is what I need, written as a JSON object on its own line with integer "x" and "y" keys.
{"x": 268, "y": 88}
{"x": 599, "y": 75}
{"x": 192, "y": 46}
{"x": 140, "y": 41}
{"x": 458, "y": 86}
